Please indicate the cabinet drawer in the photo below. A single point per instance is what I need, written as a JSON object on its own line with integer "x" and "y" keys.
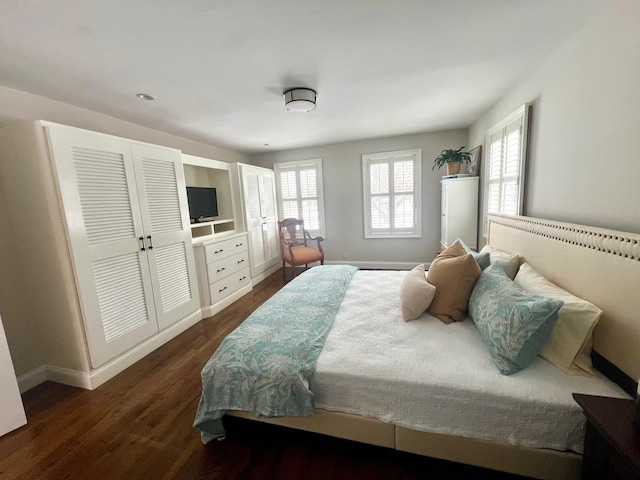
{"x": 228, "y": 285}
{"x": 225, "y": 248}
{"x": 226, "y": 266}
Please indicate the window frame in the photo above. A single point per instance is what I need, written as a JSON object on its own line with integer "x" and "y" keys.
{"x": 522, "y": 115}
{"x": 389, "y": 158}
{"x": 298, "y": 165}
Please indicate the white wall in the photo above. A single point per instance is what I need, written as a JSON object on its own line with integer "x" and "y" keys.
{"x": 15, "y": 106}
{"x": 584, "y": 162}
{"x": 342, "y": 177}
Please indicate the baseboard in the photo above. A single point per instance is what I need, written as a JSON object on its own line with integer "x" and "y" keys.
{"x": 111, "y": 369}
{"x": 95, "y": 378}
{"x": 261, "y": 276}
{"x": 380, "y": 265}
{"x": 211, "y": 310}
{"x": 32, "y": 379}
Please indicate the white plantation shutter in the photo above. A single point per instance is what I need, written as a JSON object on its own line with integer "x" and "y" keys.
{"x": 299, "y": 190}
{"x": 392, "y": 194}
{"x": 506, "y": 157}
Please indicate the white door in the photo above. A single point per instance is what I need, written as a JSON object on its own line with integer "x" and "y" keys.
{"x": 165, "y": 217}
{"x": 11, "y": 410}
{"x": 260, "y": 212}
{"x": 100, "y": 197}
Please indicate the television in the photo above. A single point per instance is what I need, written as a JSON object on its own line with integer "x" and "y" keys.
{"x": 203, "y": 203}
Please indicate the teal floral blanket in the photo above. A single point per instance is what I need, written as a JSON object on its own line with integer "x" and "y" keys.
{"x": 265, "y": 364}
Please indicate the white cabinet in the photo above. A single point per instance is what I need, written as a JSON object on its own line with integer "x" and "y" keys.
{"x": 223, "y": 271}
{"x": 113, "y": 249}
{"x": 11, "y": 410}
{"x": 459, "y": 211}
{"x": 258, "y": 197}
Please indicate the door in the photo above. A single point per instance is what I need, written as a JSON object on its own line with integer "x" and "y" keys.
{"x": 11, "y": 410}
{"x": 261, "y": 221}
{"x": 167, "y": 233}
{"x": 100, "y": 196}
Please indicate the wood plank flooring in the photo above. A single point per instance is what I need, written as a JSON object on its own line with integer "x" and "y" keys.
{"x": 139, "y": 426}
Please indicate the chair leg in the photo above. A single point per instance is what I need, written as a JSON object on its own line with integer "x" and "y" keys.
{"x": 284, "y": 271}
{"x": 293, "y": 270}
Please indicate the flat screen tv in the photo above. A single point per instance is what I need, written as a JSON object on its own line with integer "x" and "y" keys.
{"x": 203, "y": 203}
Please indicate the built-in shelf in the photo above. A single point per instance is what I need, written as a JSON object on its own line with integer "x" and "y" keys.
{"x": 204, "y": 230}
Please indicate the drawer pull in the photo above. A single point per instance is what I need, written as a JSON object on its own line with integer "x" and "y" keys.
{"x": 239, "y": 244}
{"x": 221, "y": 269}
{"x": 222, "y": 289}
{"x": 240, "y": 261}
{"x": 243, "y": 278}
{"x": 218, "y": 251}
{"x": 142, "y": 244}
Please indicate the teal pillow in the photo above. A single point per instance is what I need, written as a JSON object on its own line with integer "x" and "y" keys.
{"x": 514, "y": 324}
{"x": 483, "y": 259}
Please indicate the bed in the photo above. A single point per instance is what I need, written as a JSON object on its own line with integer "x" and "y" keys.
{"x": 461, "y": 416}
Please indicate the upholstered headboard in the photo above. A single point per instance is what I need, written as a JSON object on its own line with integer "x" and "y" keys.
{"x": 596, "y": 264}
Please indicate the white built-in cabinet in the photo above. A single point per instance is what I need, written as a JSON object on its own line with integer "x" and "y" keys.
{"x": 259, "y": 213}
{"x": 221, "y": 247}
{"x": 111, "y": 264}
{"x": 459, "y": 211}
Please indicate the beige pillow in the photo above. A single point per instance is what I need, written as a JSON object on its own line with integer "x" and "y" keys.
{"x": 454, "y": 273}
{"x": 509, "y": 262}
{"x": 416, "y": 294}
{"x": 569, "y": 347}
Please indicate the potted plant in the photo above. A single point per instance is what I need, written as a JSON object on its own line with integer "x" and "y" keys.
{"x": 453, "y": 159}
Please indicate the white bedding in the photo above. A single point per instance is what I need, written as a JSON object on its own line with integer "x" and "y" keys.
{"x": 433, "y": 377}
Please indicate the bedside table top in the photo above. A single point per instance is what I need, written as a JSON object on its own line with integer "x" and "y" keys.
{"x": 612, "y": 418}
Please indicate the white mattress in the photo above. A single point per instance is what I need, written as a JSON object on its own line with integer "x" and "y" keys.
{"x": 433, "y": 377}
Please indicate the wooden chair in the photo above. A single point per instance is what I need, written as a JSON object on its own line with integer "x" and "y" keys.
{"x": 294, "y": 248}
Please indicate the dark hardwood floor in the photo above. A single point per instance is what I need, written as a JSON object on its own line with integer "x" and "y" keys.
{"x": 139, "y": 426}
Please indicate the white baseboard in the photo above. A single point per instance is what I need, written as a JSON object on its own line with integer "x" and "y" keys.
{"x": 380, "y": 265}
{"x": 211, "y": 310}
{"x": 32, "y": 379}
{"x": 95, "y": 378}
{"x": 261, "y": 276}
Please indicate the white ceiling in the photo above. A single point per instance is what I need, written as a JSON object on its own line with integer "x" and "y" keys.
{"x": 218, "y": 68}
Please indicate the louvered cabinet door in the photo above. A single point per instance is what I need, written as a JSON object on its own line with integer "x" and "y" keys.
{"x": 269, "y": 214}
{"x": 163, "y": 205}
{"x": 100, "y": 199}
{"x": 253, "y": 213}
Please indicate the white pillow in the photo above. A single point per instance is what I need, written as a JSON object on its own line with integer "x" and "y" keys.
{"x": 416, "y": 294}
{"x": 509, "y": 262}
{"x": 569, "y": 348}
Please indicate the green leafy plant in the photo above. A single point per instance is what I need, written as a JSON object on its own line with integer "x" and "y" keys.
{"x": 449, "y": 156}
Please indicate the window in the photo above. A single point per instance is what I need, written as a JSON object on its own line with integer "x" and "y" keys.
{"x": 392, "y": 194}
{"x": 506, "y": 157}
{"x": 299, "y": 188}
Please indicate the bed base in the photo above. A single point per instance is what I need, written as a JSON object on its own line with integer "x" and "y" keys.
{"x": 530, "y": 462}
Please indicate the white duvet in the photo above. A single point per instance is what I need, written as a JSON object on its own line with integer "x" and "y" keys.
{"x": 433, "y": 377}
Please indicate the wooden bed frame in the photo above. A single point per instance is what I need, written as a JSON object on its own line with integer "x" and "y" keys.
{"x": 596, "y": 264}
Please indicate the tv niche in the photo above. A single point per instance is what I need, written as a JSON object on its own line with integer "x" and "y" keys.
{"x": 203, "y": 204}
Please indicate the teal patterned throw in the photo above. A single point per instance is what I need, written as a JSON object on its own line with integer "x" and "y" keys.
{"x": 265, "y": 364}
{"x": 514, "y": 324}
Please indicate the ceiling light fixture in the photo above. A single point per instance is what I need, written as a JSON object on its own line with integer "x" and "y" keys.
{"x": 300, "y": 99}
{"x": 145, "y": 96}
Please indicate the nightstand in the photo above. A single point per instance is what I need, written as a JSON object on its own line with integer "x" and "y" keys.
{"x": 611, "y": 445}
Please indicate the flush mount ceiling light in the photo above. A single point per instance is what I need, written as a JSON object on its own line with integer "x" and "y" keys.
{"x": 145, "y": 96}
{"x": 300, "y": 99}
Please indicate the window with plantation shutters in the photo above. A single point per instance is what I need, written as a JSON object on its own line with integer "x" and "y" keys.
{"x": 506, "y": 157}
{"x": 391, "y": 186}
{"x": 299, "y": 190}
